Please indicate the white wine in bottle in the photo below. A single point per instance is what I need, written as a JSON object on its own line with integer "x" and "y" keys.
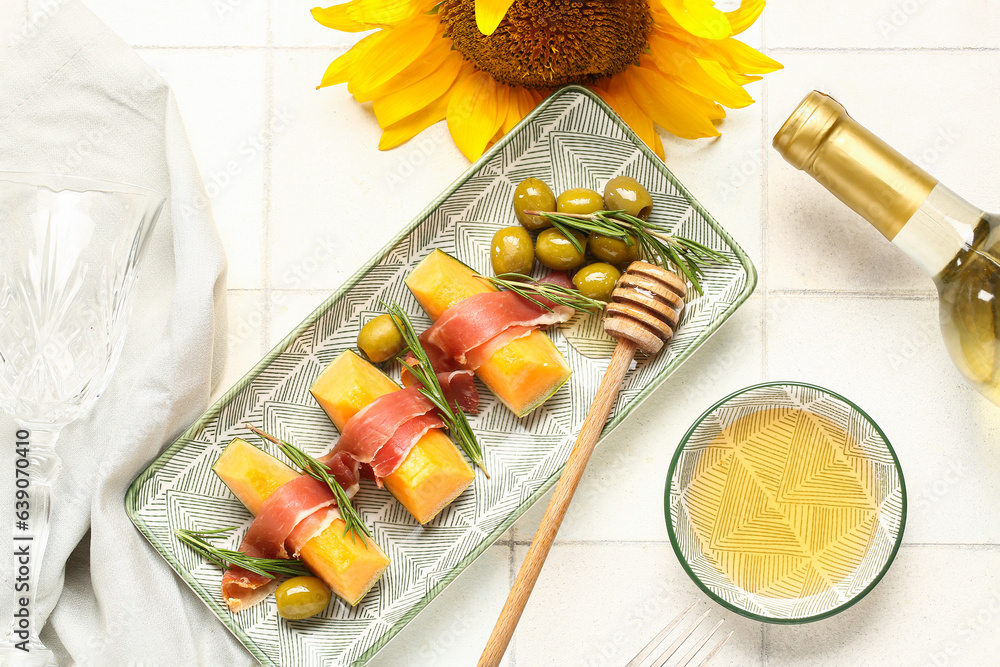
{"x": 955, "y": 242}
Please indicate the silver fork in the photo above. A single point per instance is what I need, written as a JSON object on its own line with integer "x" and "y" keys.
{"x": 672, "y": 650}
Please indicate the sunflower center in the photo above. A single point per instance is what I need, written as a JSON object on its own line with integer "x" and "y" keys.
{"x": 549, "y": 43}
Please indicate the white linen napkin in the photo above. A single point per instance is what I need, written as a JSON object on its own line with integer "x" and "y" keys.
{"x": 75, "y": 99}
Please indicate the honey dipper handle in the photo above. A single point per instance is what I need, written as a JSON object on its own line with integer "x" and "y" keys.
{"x": 578, "y": 458}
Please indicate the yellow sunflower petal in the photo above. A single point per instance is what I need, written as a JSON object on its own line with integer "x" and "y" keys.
{"x": 706, "y": 106}
{"x": 705, "y": 77}
{"x": 719, "y": 86}
{"x": 743, "y": 58}
{"x": 406, "y": 101}
{"x": 658, "y": 145}
{"x": 387, "y": 12}
{"x": 472, "y": 113}
{"x": 429, "y": 61}
{"x": 409, "y": 127}
{"x": 743, "y": 79}
{"x": 401, "y": 46}
{"x": 669, "y": 105}
{"x": 743, "y": 17}
{"x": 503, "y": 110}
{"x": 699, "y": 17}
{"x": 489, "y": 14}
{"x": 336, "y": 17}
{"x": 615, "y": 93}
{"x": 340, "y": 69}
{"x": 520, "y": 105}
{"x": 359, "y": 15}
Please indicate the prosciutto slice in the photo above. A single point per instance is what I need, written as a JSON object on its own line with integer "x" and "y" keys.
{"x": 283, "y": 511}
{"x": 345, "y": 470}
{"x": 473, "y": 327}
{"x": 303, "y": 500}
{"x": 391, "y": 455}
{"x": 381, "y": 434}
{"x": 478, "y": 356}
{"x": 458, "y": 385}
{"x": 374, "y": 425}
{"x": 310, "y": 527}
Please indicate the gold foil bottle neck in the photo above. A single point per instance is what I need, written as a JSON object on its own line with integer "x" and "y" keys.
{"x": 860, "y": 169}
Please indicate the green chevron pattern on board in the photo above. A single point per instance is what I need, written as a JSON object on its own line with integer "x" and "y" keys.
{"x": 571, "y": 140}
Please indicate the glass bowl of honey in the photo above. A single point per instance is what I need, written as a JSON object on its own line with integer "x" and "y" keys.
{"x": 785, "y": 502}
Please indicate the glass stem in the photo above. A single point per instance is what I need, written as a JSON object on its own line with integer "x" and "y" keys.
{"x": 36, "y": 467}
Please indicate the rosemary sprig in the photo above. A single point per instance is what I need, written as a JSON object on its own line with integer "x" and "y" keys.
{"x": 456, "y": 420}
{"x": 310, "y": 466}
{"x": 658, "y": 246}
{"x": 224, "y": 558}
{"x": 533, "y": 290}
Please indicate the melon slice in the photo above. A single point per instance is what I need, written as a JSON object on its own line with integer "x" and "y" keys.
{"x": 525, "y": 372}
{"x": 348, "y": 566}
{"x": 433, "y": 473}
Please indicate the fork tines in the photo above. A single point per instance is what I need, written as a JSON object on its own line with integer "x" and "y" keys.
{"x": 698, "y": 647}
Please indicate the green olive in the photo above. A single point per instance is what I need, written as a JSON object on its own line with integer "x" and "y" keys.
{"x": 613, "y": 251}
{"x": 379, "y": 339}
{"x": 557, "y": 252}
{"x": 597, "y": 280}
{"x": 513, "y": 251}
{"x": 301, "y": 597}
{"x": 579, "y": 200}
{"x": 623, "y": 193}
{"x": 532, "y": 194}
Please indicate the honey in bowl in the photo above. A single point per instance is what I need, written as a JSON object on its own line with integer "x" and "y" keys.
{"x": 784, "y": 503}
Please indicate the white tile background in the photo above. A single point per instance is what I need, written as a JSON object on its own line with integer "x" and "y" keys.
{"x": 836, "y": 305}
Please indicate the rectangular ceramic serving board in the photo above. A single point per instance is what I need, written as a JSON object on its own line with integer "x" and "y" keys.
{"x": 571, "y": 140}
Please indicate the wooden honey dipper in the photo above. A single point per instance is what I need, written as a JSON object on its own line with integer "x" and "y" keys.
{"x": 644, "y": 310}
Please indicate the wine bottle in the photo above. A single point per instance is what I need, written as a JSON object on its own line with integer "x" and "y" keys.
{"x": 955, "y": 242}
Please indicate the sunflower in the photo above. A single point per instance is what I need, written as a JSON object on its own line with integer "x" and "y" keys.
{"x": 482, "y": 65}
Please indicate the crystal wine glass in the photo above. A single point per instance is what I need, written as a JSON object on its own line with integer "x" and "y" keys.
{"x": 70, "y": 251}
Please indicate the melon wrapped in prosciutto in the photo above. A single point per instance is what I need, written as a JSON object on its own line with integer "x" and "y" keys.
{"x": 290, "y": 505}
{"x": 383, "y": 432}
{"x": 396, "y": 434}
{"x": 495, "y": 333}
{"x": 296, "y": 516}
{"x": 468, "y": 333}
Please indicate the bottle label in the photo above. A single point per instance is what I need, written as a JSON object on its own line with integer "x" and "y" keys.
{"x": 940, "y": 228}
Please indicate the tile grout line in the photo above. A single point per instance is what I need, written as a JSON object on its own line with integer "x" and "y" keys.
{"x": 511, "y": 575}
{"x": 762, "y": 276}
{"x": 774, "y": 50}
{"x": 912, "y": 295}
{"x": 240, "y": 47}
{"x": 572, "y": 542}
{"x": 885, "y": 49}
{"x": 894, "y": 295}
{"x": 265, "y": 324}
{"x": 764, "y": 100}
